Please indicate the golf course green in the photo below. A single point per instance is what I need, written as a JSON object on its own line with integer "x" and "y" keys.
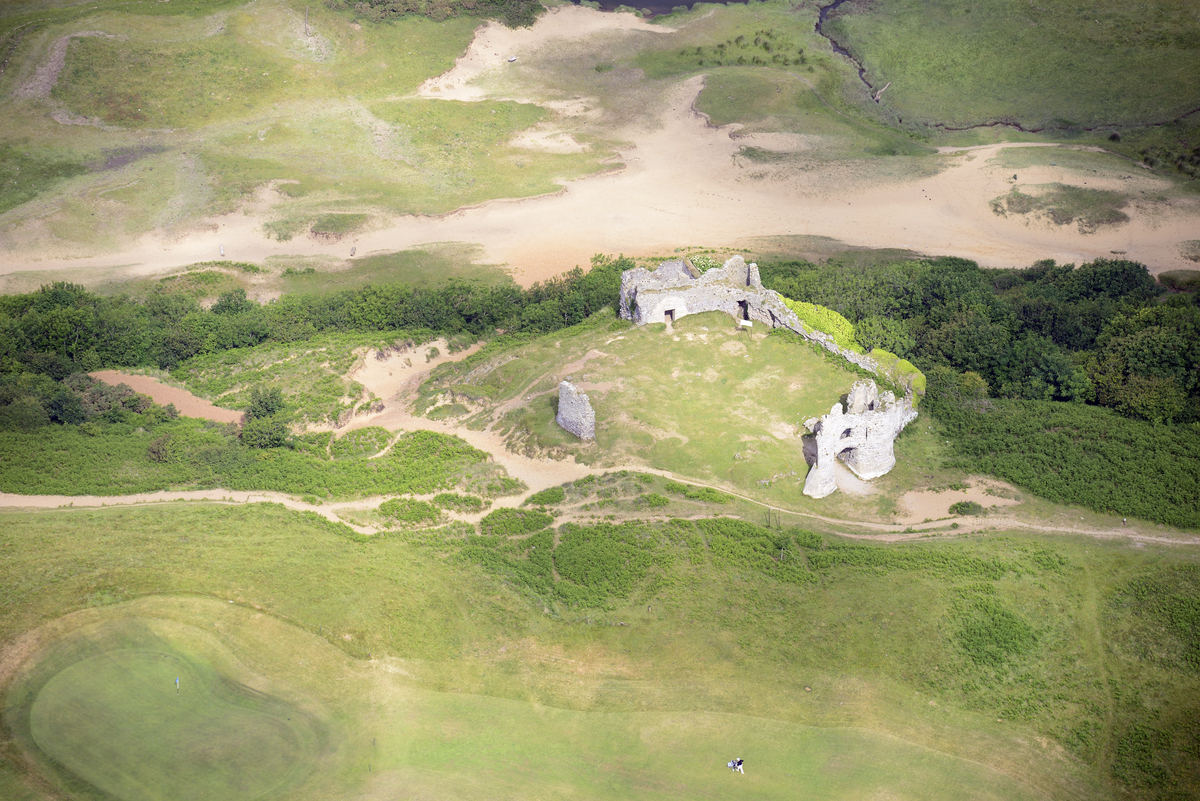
{"x": 132, "y": 718}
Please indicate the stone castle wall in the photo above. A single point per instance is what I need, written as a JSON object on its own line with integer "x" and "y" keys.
{"x": 735, "y": 289}
{"x": 862, "y": 436}
{"x": 575, "y": 412}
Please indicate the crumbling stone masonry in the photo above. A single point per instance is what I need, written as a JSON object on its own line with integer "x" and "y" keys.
{"x": 862, "y": 436}
{"x": 575, "y": 412}
{"x": 676, "y": 290}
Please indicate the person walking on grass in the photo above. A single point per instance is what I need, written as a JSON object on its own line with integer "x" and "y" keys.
{"x": 736, "y": 766}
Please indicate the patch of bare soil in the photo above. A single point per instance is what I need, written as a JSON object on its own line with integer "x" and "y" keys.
{"x": 185, "y": 402}
{"x": 41, "y": 83}
{"x": 919, "y": 506}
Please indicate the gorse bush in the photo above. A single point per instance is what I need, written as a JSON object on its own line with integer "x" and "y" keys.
{"x": 595, "y": 564}
{"x": 360, "y": 443}
{"x": 460, "y": 503}
{"x": 609, "y": 560}
{"x": 513, "y": 522}
{"x": 1071, "y": 453}
{"x": 410, "y": 512}
{"x": 547, "y": 497}
{"x": 703, "y": 494}
{"x": 966, "y": 508}
{"x": 990, "y": 634}
{"x": 1166, "y": 606}
{"x": 113, "y": 459}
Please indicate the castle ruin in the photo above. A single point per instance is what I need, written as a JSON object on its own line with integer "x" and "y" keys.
{"x": 861, "y": 436}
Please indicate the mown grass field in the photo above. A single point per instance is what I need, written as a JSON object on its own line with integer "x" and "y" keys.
{"x": 995, "y": 667}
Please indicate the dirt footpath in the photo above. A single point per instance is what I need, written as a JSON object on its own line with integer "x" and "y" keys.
{"x": 185, "y": 402}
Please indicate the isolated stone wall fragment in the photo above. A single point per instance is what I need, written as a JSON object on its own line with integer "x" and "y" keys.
{"x": 575, "y": 412}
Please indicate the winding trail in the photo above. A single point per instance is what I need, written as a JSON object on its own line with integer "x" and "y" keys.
{"x": 392, "y": 375}
{"x": 882, "y": 532}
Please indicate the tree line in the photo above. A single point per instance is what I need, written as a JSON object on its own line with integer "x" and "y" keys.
{"x": 1103, "y": 333}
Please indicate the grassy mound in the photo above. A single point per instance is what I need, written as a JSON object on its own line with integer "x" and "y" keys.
{"x": 708, "y": 401}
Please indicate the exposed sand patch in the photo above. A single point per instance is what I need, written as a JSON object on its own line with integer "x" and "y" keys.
{"x": 494, "y": 45}
{"x": 188, "y": 404}
{"x": 920, "y": 505}
{"x": 387, "y": 373}
{"x": 548, "y": 140}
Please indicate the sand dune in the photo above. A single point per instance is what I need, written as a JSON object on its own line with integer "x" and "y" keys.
{"x": 684, "y": 184}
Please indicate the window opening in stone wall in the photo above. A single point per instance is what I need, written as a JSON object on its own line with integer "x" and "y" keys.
{"x": 744, "y": 309}
{"x": 669, "y": 315}
{"x": 847, "y": 432}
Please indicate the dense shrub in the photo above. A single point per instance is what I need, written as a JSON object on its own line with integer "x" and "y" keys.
{"x": 1071, "y": 453}
{"x": 966, "y": 508}
{"x": 460, "y": 503}
{"x": 547, "y": 497}
{"x": 703, "y": 494}
{"x": 513, "y": 522}
{"x": 736, "y": 543}
{"x": 112, "y": 459}
{"x": 410, "y": 512}
{"x": 990, "y": 634}
{"x": 360, "y": 443}
{"x": 606, "y": 559}
{"x": 653, "y": 500}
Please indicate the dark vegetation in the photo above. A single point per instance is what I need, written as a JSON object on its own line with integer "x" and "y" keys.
{"x": 513, "y": 522}
{"x": 460, "y": 503}
{"x": 409, "y": 512}
{"x": 131, "y": 452}
{"x": 50, "y": 338}
{"x": 705, "y": 494}
{"x": 767, "y": 48}
{"x": 513, "y": 13}
{"x": 1002, "y": 351}
{"x": 547, "y": 497}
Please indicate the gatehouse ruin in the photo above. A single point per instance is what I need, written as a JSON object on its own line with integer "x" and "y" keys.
{"x": 861, "y": 437}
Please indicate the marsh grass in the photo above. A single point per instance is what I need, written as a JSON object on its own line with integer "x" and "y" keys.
{"x": 1063, "y": 204}
{"x": 1190, "y": 250}
{"x": 261, "y": 106}
{"x": 772, "y": 100}
{"x": 425, "y": 267}
{"x": 1060, "y": 64}
{"x": 339, "y": 224}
